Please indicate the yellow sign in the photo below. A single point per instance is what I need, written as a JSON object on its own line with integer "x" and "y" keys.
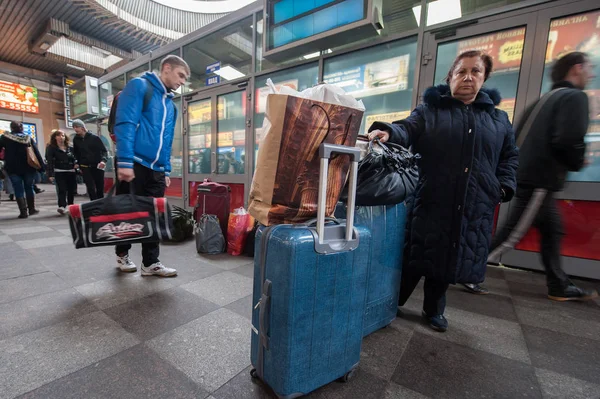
{"x": 199, "y": 112}
{"x": 388, "y": 118}
{"x": 225, "y": 139}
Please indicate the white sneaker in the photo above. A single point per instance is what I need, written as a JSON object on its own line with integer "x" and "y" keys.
{"x": 125, "y": 264}
{"x": 158, "y": 269}
{"x": 61, "y": 210}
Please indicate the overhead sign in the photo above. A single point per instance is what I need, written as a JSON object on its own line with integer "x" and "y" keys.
{"x": 213, "y": 67}
{"x": 18, "y": 97}
{"x": 213, "y": 80}
{"x": 506, "y": 48}
{"x": 67, "y": 103}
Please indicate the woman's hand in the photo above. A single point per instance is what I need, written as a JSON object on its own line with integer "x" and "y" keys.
{"x": 383, "y": 136}
{"x": 51, "y": 179}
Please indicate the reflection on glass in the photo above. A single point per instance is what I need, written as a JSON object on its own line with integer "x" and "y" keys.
{"x": 137, "y": 72}
{"x": 506, "y": 49}
{"x": 300, "y": 78}
{"x": 108, "y": 91}
{"x": 110, "y": 147}
{"x": 228, "y": 50}
{"x": 579, "y": 33}
{"x": 231, "y": 133}
{"x": 381, "y": 76}
{"x": 439, "y": 11}
{"x": 177, "y": 148}
{"x": 200, "y": 125}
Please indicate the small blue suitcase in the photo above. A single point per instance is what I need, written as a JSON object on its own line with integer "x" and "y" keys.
{"x": 309, "y": 295}
{"x": 387, "y": 224}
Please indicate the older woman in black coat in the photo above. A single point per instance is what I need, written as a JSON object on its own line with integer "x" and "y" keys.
{"x": 468, "y": 165}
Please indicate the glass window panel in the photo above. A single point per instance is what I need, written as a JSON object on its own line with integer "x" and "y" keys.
{"x": 579, "y": 33}
{"x": 139, "y": 71}
{"x": 155, "y": 64}
{"x": 200, "y": 134}
{"x": 231, "y": 133}
{"x": 381, "y": 76}
{"x": 231, "y": 46}
{"x": 108, "y": 90}
{"x": 110, "y": 147}
{"x": 177, "y": 148}
{"x": 439, "y": 11}
{"x": 506, "y": 49}
{"x": 299, "y": 78}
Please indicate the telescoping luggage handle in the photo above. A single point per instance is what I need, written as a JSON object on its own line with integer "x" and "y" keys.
{"x": 330, "y": 238}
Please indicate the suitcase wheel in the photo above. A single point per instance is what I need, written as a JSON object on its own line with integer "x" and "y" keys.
{"x": 347, "y": 376}
{"x": 253, "y": 373}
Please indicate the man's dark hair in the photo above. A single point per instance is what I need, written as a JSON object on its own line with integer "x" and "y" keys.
{"x": 487, "y": 62}
{"x": 563, "y": 65}
{"x": 175, "y": 61}
{"x": 16, "y": 127}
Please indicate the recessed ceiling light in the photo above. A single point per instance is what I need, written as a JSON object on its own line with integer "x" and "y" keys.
{"x": 229, "y": 73}
{"x": 76, "y": 67}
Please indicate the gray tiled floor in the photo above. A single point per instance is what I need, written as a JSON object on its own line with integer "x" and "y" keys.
{"x": 73, "y": 326}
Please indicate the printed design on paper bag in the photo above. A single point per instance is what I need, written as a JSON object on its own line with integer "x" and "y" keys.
{"x": 124, "y": 230}
{"x": 307, "y": 125}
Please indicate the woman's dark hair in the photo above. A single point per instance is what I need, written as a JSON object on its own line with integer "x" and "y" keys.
{"x": 487, "y": 62}
{"x": 55, "y": 133}
{"x": 16, "y": 127}
{"x": 563, "y": 65}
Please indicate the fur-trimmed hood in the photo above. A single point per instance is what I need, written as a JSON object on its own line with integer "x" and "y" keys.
{"x": 438, "y": 96}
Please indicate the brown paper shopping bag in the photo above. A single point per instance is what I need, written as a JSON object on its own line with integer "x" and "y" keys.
{"x": 285, "y": 184}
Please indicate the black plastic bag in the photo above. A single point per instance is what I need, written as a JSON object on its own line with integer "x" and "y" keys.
{"x": 209, "y": 237}
{"x": 385, "y": 177}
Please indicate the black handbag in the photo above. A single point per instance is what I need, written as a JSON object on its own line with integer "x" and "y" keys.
{"x": 387, "y": 176}
{"x": 120, "y": 219}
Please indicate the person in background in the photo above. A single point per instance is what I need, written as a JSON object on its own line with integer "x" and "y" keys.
{"x": 21, "y": 174}
{"x": 552, "y": 146}
{"x": 468, "y": 165}
{"x": 92, "y": 156}
{"x": 144, "y": 139}
{"x": 61, "y": 167}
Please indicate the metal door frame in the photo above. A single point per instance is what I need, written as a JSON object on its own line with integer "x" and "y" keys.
{"x": 213, "y": 94}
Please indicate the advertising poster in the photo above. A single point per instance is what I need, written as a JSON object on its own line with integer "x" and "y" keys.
{"x": 375, "y": 78}
{"x": 574, "y": 33}
{"x": 263, "y": 92}
{"x": 225, "y": 139}
{"x": 199, "y": 112}
{"x": 18, "y": 97}
{"x": 239, "y": 138}
{"x": 388, "y": 118}
{"x": 506, "y": 48}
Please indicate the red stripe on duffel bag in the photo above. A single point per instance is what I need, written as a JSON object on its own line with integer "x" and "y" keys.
{"x": 75, "y": 211}
{"x": 161, "y": 204}
{"x": 119, "y": 216}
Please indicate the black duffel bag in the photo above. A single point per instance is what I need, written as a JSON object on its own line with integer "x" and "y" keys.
{"x": 120, "y": 219}
{"x": 387, "y": 175}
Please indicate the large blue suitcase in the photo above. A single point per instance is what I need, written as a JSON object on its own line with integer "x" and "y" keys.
{"x": 387, "y": 226}
{"x": 309, "y": 295}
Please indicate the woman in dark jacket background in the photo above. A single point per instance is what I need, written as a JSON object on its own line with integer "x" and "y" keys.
{"x": 61, "y": 168}
{"x": 468, "y": 165}
{"x": 21, "y": 174}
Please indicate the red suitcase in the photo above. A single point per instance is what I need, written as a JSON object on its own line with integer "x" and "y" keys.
{"x": 213, "y": 199}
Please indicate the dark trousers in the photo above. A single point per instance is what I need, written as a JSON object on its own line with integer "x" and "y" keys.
{"x": 66, "y": 186}
{"x": 434, "y": 290}
{"x": 151, "y": 184}
{"x": 94, "y": 182}
{"x": 538, "y": 208}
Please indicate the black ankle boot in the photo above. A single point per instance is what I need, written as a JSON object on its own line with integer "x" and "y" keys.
{"x": 22, "y": 208}
{"x": 31, "y": 206}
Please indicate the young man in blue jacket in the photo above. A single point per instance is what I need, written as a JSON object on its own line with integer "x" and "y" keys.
{"x": 144, "y": 133}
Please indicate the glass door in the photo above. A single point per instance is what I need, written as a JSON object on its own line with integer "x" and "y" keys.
{"x": 560, "y": 30}
{"x": 216, "y": 126}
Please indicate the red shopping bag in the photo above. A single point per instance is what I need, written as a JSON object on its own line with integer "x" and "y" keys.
{"x": 240, "y": 225}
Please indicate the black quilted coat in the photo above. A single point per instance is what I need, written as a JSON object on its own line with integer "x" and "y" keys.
{"x": 468, "y": 157}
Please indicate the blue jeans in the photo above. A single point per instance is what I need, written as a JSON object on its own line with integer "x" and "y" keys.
{"x": 23, "y": 185}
